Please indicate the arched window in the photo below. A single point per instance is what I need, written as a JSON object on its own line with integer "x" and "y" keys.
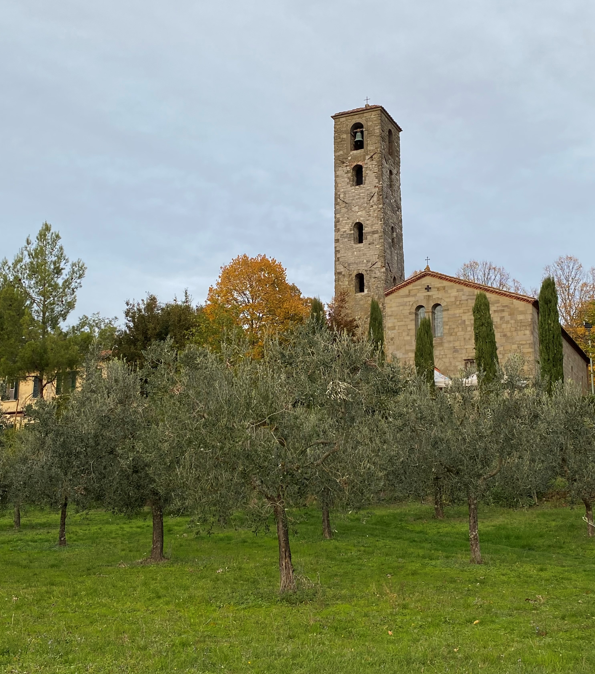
{"x": 390, "y": 143}
{"x": 358, "y": 174}
{"x": 420, "y": 313}
{"x": 358, "y": 233}
{"x": 360, "y": 286}
{"x": 390, "y": 181}
{"x": 394, "y": 280}
{"x": 437, "y": 324}
{"x": 357, "y": 137}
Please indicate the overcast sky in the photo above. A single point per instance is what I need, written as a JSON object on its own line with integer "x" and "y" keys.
{"x": 162, "y": 139}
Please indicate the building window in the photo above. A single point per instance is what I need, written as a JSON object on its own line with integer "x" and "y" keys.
{"x": 390, "y": 181}
{"x": 66, "y": 382}
{"x": 437, "y": 325}
{"x": 358, "y": 233}
{"x": 390, "y": 143}
{"x": 358, "y": 174}
{"x": 469, "y": 364}
{"x": 36, "y": 387}
{"x": 360, "y": 285}
{"x": 10, "y": 390}
{"x": 394, "y": 280}
{"x": 393, "y": 236}
{"x": 357, "y": 137}
{"x": 420, "y": 313}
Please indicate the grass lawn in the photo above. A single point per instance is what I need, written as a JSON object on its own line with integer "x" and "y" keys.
{"x": 393, "y": 592}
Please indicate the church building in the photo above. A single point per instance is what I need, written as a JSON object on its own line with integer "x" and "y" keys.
{"x": 369, "y": 263}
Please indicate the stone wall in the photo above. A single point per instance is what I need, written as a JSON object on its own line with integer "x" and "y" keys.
{"x": 575, "y": 367}
{"x": 515, "y": 324}
{"x": 376, "y": 204}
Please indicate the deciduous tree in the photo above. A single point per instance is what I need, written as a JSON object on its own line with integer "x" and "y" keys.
{"x": 489, "y": 274}
{"x": 339, "y": 317}
{"x": 256, "y": 294}
{"x": 151, "y": 321}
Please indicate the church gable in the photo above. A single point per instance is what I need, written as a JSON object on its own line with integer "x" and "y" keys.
{"x": 448, "y": 302}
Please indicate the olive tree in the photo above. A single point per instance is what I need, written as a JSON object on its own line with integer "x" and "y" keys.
{"x": 572, "y": 422}
{"x": 296, "y": 422}
{"x": 466, "y": 437}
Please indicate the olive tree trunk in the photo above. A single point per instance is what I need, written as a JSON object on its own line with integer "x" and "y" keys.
{"x": 286, "y": 578}
{"x": 157, "y": 547}
{"x": 62, "y": 533}
{"x": 473, "y": 530}
{"x": 17, "y": 516}
{"x": 438, "y": 499}
{"x": 589, "y": 516}
{"x": 327, "y": 532}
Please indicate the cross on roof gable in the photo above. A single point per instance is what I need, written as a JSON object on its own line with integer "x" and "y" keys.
{"x": 463, "y": 282}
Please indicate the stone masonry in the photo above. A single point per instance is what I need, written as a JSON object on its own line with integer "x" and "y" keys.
{"x": 376, "y": 204}
{"x": 515, "y": 320}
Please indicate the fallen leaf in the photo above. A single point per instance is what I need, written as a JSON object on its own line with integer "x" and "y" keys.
{"x": 390, "y": 633}
{"x": 475, "y": 623}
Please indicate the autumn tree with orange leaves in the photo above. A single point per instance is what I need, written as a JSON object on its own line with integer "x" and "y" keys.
{"x": 253, "y": 292}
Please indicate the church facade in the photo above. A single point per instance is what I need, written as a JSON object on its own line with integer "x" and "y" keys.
{"x": 369, "y": 263}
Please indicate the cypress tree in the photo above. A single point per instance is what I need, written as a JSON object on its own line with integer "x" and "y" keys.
{"x": 551, "y": 356}
{"x": 318, "y": 314}
{"x": 376, "y": 327}
{"x": 424, "y": 351}
{"x": 486, "y": 352}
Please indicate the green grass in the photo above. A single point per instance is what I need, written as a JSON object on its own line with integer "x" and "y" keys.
{"x": 214, "y": 607}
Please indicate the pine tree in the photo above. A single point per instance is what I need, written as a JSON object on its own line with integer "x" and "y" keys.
{"x": 424, "y": 351}
{"x": 317, "y": 314}
{"x": 376, "y": 327}
{"x": 486, "y": 352}
{"x": 551, "y": 355}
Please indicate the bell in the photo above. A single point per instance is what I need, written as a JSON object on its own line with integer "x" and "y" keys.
{"x": 359, "y": 137}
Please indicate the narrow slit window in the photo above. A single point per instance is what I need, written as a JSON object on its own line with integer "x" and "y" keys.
{"x": 390, "y": 143}
{"x": 357, "y": 137}
{"x": 358, "y": 233}
{"x": 360, "y": 285}
{"x": 393, "y": 236}
{"x": 437, "y": 322}
{"x": 358, "y": 174}
{"x": 390, "y": 181}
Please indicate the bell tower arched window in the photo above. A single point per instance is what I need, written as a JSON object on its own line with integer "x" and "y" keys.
{"x": 420, "y": 313}
{"x": 358, "y": 233}
{"x": 437, "y": 323}
{"x": 358, "y": 174}
{"x": 360, "y": 285}
{"x": 357, "y": 137}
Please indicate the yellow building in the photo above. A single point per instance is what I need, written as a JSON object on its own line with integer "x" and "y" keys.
{"x": 23, "y": 392}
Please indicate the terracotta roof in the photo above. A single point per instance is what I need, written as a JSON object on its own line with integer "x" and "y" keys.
{"x": 486, "y": 289}
{"x": 462, "y": 282}
{"x": 365, "y": 109}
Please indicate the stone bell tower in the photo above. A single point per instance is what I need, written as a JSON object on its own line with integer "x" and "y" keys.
{"x": 368, "y": 222}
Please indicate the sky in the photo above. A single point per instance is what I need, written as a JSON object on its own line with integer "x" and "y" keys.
{"x": 162, "y": 139}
